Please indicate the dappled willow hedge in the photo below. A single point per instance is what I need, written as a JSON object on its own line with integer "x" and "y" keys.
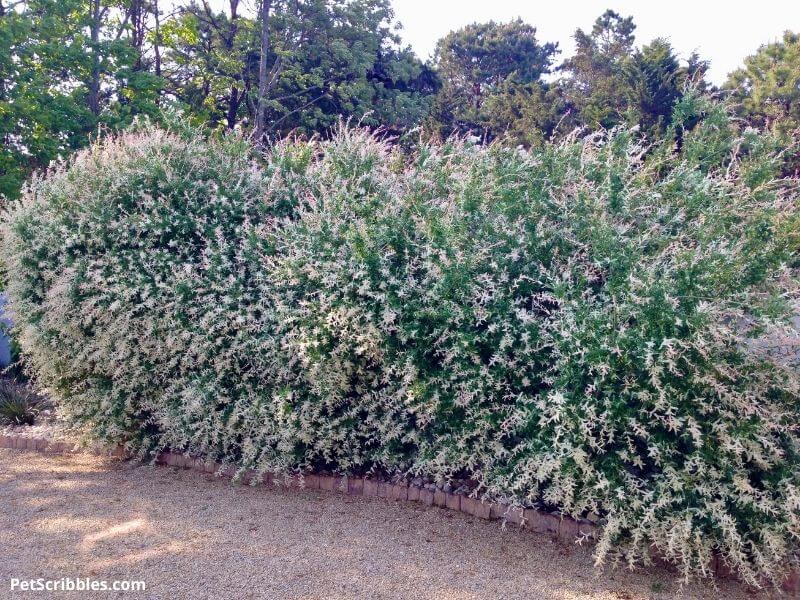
{"x": 566, "y": 326}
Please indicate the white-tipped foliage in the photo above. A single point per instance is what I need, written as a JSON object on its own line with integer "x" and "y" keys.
{"x": 563, "y": 326}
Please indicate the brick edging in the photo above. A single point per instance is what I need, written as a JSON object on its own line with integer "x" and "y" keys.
{"x": 559, "y": 527}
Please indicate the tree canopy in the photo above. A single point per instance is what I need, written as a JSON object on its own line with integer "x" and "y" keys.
{"x": 70, "y": 69}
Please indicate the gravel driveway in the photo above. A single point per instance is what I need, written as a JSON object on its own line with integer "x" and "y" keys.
{"x": 188, "y": 535}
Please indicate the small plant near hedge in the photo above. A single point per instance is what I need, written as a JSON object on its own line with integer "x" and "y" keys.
{"x": 565, "y": 326}
{"x": 19, "y": 405}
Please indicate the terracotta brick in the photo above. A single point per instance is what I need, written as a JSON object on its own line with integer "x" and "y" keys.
{"x": 426, "y": 496}
{"x": 399, "y": 491}
{"x": 413, "y": 493}
{"x": 510, "y": 514}
{"x": 355, "y": 486}
{"x": 295, "y": 481}
{"x": 541, "y": 522}
{"x": 587, "y": 529}
{"x": 453, "y": 501}
{"x": 384, "y": 489}
{"x": 476, "y": 507}
{"x": 568, "y": 530}
{"x": 440, "y": 498}
{"x": 370, "y": 487}
{"x": 332, "y": 483}
{"x": 249, "y": 476}
{"x": 261, "y": 478}
{"x": 498, "y": 510}
{"x": 227, "y": 472}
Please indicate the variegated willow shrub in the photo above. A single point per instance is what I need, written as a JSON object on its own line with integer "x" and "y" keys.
{"x": 567, "y": 326}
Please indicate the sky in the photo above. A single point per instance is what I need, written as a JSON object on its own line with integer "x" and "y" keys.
{"x": 724, "y": 32}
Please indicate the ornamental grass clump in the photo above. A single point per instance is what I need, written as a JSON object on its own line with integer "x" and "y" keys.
{"x": 569, "y": 327}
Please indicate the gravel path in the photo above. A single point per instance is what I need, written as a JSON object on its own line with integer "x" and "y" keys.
{"x": 189, "y": 535}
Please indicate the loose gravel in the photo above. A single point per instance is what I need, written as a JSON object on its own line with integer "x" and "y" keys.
{"x": 189, "y": 535}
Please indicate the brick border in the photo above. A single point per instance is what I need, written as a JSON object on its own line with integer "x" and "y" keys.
{"x": 558, "y": 527}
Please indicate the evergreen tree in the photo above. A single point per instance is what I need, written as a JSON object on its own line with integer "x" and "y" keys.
{"x": 768, "y": 85}
{"x": 481, "y": 62}
{"x": 326, "y": 60}
{"x": 655, "y": 82}
{"x": 596, "y": 84}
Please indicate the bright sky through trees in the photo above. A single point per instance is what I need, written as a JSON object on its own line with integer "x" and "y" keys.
{"x": 722, "y": 32}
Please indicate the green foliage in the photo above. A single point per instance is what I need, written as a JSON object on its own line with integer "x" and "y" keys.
{"x": 18, "y": 404}
{"x": 597, "y": 86}
{"x": 656, "y": 82}
{"x": 768, "y": 91}
{"x": 609, "y": 82}
{"x": 485, "y": 66}
{"x": 768, "y": 86}
{"x": 567, "y": 326}
{"x": 328, "y": 60}
{"x": 47, "y": 62}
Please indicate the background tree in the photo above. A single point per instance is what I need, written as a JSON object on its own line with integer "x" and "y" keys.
{"x": 324, "y": 60}
{"x": 481, "y": 62}
{"x": 66, "y": 68}
{"x": 767, "y": 87}
{"x": 767, "y": 92}
{"x": 595, "y": 83}
{"x": 526, "y": 114}
{"x": 655, "y": 81}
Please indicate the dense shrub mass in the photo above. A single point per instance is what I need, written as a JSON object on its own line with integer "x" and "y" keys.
{"x": 566, "y": 326}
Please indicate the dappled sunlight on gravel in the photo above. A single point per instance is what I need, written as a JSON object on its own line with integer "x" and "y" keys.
{"x": 189, "y": 535}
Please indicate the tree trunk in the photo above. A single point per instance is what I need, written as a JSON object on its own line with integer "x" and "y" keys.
{"x": 233, "y": 107}
{"x": 94, "y": 84}
{"x": 233, "y": 100}
{"x": 157, "y": 40}
{"x": 261, "y": 113}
